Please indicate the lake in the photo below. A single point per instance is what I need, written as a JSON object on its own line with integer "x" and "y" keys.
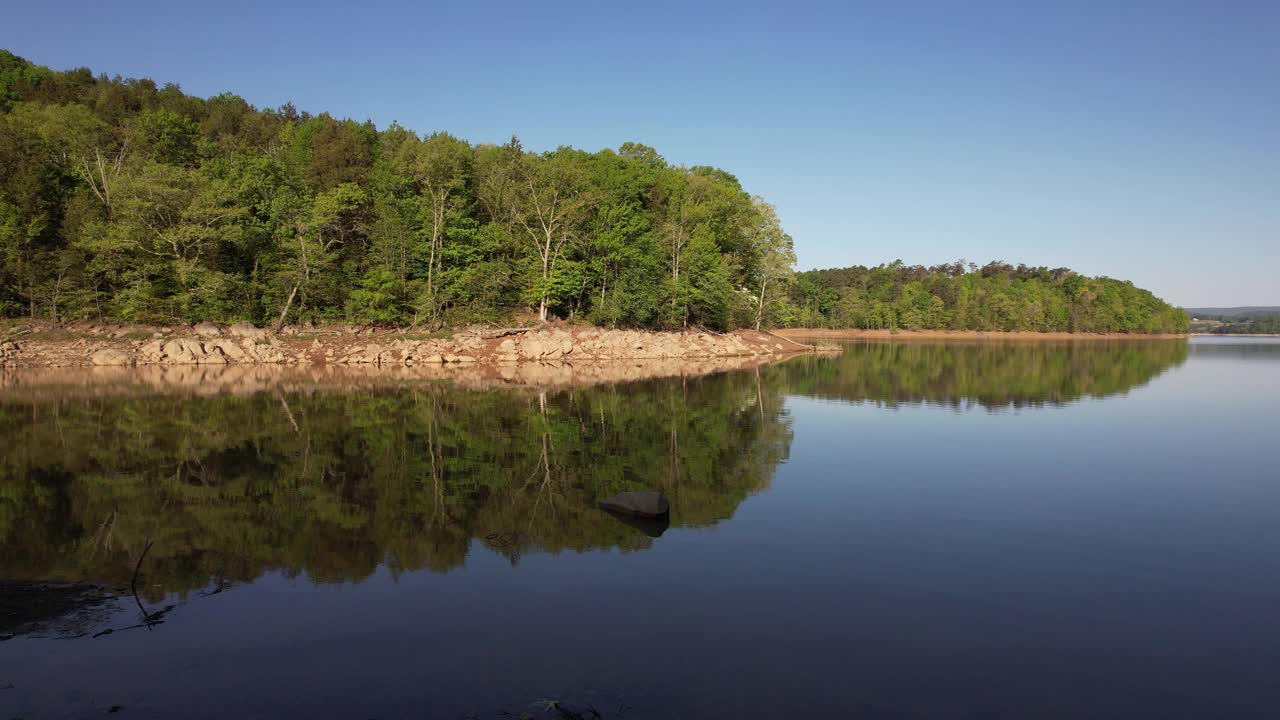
{"x": 976, "y": 530}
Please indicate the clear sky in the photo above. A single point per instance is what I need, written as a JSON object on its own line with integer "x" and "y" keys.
{"x": 1139, "y": 140}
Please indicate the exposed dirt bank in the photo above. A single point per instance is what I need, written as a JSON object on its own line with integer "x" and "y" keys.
{"x": 208, "y": 344}
{"x": 813, "y": 333}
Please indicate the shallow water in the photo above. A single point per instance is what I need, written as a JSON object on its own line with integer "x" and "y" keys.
{"x": 905, "y": 530}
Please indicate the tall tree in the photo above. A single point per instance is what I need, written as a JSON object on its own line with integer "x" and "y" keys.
{"x": 775, "y": 255}
{"x": 551, "y": 200}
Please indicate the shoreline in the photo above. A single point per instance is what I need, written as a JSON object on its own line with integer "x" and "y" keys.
{"x": 206, "y": 344}
{"x": 1020, "y": 335}
{"x": 1235, "y": 334}
{"x": 54, "y": 383}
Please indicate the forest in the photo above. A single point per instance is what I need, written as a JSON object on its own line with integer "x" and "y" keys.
{"x": 963, "y": 296}
{"x": 1260, "y": 322}
{"x": 122, "y": 200}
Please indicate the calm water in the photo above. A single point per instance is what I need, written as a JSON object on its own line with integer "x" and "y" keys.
{"x": 924, "y": 530}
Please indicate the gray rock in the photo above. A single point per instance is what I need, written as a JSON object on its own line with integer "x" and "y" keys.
{"x": 247, "y": 330}
{"x": 638, "y": 504}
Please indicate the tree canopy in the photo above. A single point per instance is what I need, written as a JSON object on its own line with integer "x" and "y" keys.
{"x": 960, "y": 296}
{"x": 123, "y": 200}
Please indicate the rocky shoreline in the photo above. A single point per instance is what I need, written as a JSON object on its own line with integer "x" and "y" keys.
{"x": 244, "y": 344}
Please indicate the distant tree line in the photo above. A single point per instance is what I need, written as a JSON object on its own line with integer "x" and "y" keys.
{"x": 1251, "y": 323}
{"x": 960, "y": 296}
{"x": 121, "y": 200}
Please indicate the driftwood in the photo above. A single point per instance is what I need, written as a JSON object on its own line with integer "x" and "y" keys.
{"x": 504, "y": 332}
{"x": 789, "y": 340}
{"x": 275, "y": 330}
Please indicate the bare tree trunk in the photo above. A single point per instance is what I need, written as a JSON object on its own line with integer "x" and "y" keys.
{"x": 285, "y": 312}
{"x": 546, "y": 276}
{"x": 760, "y": 304}
{"x": 431, "y": 269}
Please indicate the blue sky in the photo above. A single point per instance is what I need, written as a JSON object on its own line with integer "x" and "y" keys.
{"x": 1139, "y": 140}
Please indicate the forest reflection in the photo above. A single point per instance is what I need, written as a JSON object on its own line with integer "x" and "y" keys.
{"x": 991, "y": 375}
{"x": 334, "y": 482}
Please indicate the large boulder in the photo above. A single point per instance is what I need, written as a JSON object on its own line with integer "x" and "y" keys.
{"x": 230, "y": 350}
{"x": 206, "y": 329}
{"x": 110, "y": 357}
{"x": 637, "y": 504}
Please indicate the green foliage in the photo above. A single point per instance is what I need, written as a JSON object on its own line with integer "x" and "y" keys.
{"x": 121, "y": 200}
{"x": 1260, "y": 322}
{"x": 996, "y": 297}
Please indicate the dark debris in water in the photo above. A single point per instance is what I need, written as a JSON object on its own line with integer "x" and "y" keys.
{"x": 52, "y": 609}
{"x": 549, "y": 709}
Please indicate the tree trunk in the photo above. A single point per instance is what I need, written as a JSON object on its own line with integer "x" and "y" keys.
{"x": 546, "y": 277}
{"x": 760, "y": 304}
{"x": 285, "y": 312}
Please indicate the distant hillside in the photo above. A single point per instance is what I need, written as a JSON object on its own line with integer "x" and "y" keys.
{"x": 997, "y": 296}
{"x": 1233, "y": 311}
{"x": 1237, "y": 321}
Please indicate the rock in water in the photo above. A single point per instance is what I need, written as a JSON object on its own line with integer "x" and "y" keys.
{"x": 639, "y": 504}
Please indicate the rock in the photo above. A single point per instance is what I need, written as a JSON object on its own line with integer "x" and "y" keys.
{"x": 638, "y": 504}
{"x": 653, "y": 527}
{"x": 247, "y": 330}
{"x": 110, "y": 357}
{"x": 182, "y": 352}
{"x": 206, "y": 329}
{"x": 230, "y": 351}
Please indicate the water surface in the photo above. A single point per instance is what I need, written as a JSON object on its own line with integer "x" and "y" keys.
{"x": 905, "y": 530}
